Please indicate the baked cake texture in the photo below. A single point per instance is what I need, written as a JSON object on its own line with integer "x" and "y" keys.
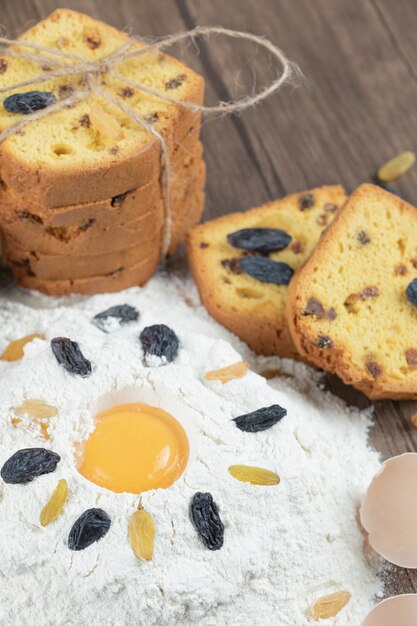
{"x": 348, "y": 308}
{"x": 255, "y": 310}
{"x": 93, "y": 150}
{"x": 83, "y": 204}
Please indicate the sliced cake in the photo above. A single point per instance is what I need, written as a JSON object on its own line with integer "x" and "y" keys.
{"x": 242, "y": 263}
{"x": 90, "y": 150}
{"x": 352, "y": 308}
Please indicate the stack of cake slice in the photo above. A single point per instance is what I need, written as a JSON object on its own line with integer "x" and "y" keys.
{"x": 83, "y": 204}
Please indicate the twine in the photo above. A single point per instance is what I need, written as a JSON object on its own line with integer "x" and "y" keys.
{"x": 65, "y": 64}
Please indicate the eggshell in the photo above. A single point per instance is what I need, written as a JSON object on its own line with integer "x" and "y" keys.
{"x": 396, "y": 611}
{"x": 389, "y": 511}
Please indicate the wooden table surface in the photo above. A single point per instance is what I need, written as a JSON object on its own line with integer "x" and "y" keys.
{"x": 355, "y": 108}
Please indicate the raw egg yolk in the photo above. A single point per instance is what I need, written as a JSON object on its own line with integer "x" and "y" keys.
{"x": 134, "y": 447}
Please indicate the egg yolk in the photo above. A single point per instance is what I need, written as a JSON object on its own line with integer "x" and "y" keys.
{"x": 134, "y": 447}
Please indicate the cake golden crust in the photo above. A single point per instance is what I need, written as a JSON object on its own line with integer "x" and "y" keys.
{"x": 359, "y": 272}
{"x": 58, "y": 160}
{"x": 253, "y": 310}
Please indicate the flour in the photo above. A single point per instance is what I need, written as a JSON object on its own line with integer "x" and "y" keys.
{"x": 284, "y": 546}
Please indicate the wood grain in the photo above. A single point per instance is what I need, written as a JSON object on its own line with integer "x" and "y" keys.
{"x": 354, "y": 108}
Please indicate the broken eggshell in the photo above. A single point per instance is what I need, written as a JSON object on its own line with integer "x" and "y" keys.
{"x": 389, "y": 511}
{"x": 399, "y": 611}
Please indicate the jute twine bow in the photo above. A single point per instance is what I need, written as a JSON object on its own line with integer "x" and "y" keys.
{"x": 65, "y": 64}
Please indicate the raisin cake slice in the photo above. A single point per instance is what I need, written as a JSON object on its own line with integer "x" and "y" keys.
{"x": 242, "y": 274}
{"x": 352, "y": 308}
{"x": 91, "y": 150}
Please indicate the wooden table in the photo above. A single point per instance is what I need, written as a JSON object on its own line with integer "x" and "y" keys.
{"x": 356, "y": 108}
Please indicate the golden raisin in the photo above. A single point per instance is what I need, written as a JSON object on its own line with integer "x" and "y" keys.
{"x": 55, "y": 504}
{"x": 254, "y": 475}
{"x": 14, "y": 350}
{"x": 142, "y": 534}
{"x": 396, "y": 167}
{"x": 329, "y": 606}
{"x": 92, "y": 36}
{"x": 105, "y": 123}
{"x": 225, "y": 374}
{"x": 37, "y": 409}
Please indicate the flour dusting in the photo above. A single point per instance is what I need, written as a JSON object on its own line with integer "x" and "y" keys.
{"x": 284, "y": 546}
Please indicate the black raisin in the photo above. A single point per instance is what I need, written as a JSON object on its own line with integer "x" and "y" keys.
{"x": 28, "y": 463}
{"x": 207, "y": 520}
{"x": 28, "y": 102}
{"x": 69, "y": 355}
{"x": 323, "y": 341}
{"x": 306, "y": 201}
{"x": 363, "y": 237}
{"x": 262, "y": 240}
{"x": 118, "y": 199}
{"x": 261, "y": 419}
{"x": 175, "y": 82}
{"x": 411, "y": 292}
{"x": 90, "y": 527}
{"x": 232, "y": 264}
{"x": 161, "y": 341}
{"x": 114, "y": 317}
{"x": 266, "y": 271}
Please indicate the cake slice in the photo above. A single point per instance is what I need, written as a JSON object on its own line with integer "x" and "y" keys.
{"x": 352, "y": 308}
{"x": 220, "y": 258}
{"x": 92, "y": 150}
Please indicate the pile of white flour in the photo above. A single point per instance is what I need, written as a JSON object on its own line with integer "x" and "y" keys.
{"x": 284, "y": 546}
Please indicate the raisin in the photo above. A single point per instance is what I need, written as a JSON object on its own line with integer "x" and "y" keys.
{"x": 207, "y": 520}
{"x": 266, "y": 271}
{"x": 323, "y": 341}
{"x": 411, "y": 292}
{"x": 69, "y": 355}
{"x": 203, "y": 244}
{"x": 28, "y": 102}
{"x": 65, "y": 90}
{"x": 159, "y": 340}
{"x": 85, "y": 121}
{"x": 411, "y": 357}
{"x": 114, "y": 317}
{"x": 175, "y": 82}
{"x": 254, "y": 475}
{"x": 262, "y": 240}
{"x": 90, "y": 527}
{"x": 331, "y": 314}
{"x": 373, "y": 368}
{"x": 151, "y": 118}
{"x": 127, "y": 92}
{"x": 363, "y": 237}
{"x": 92, "y": 37}
{"x": 400, "y": 270}
{"x": 3, "y": 65}
{"x": 306, "y": 201}
{"x": 118, "y": 199}
{"x": 26, "y": 464}
{"x": 297, "y": 247}
{"x": 261, "y": 419}
{"x": 314, "y": 307}
{"x": 232, "y": 264}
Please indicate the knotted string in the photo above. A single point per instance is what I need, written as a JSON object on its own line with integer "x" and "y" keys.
{"x": 65, "y": 64}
